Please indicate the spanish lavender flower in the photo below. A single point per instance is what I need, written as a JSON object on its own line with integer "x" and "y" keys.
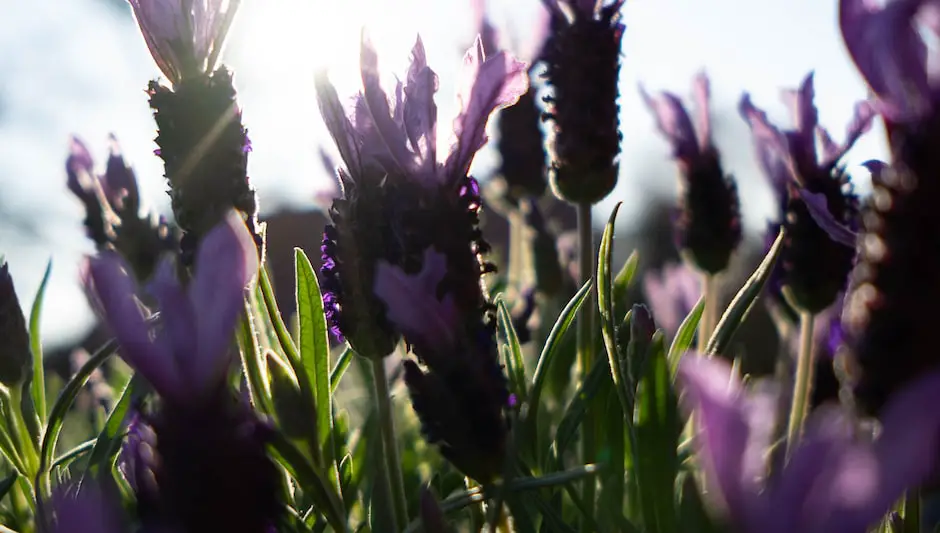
{"x": 709, "y": 224}
{"x": 833, "y": 482}
{"x": 213, "y": 471}
{"x": 15, "y": 352}
{"x": 672, "y": 294}
{"x": 397, "y": 198}
{"x": 200, "y": 137}
{"x": 814, "y": 267}
{"x": 894, "y": 288}
{"x": 112, "y": 204}
{"x": 521, "y": 148}
{"x": 87, "y": 510}
{"x": 583, "y": 59}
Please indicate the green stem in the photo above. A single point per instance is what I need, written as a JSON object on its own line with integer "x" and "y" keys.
{"x": 912, "y": 511}
{"x": 585, "y": 340}
{"x": 393, "y": 473}
{"x": 709, "y": 311}
{"x": 803, "y": 383}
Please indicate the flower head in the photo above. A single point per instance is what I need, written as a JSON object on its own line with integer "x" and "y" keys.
{"x": 672, "y": 294}
{"x": 185, "y": 37}
{"x": 583, "y": 59}
{"x": 189, "y": 356}
{"x": 15, "y": 352}
{"x": 398, "y": 198}
{"x": 833, "y": 482}
{"x": 814, "y": 267}
{"x": 709, "y": 224}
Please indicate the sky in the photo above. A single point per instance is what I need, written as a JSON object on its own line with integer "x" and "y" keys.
{"x": 80, "y": 66}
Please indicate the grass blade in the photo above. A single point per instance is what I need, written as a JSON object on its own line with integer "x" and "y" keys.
{"x": 38, "y": 385}
{"x": 737, "y": 311}
{"x": 514, "y": 362}
{"x": 685, "y": 336}
{"x": 605, "y": 305}
{"x": 574, "y": 414}
{"x": 339, "y": 369}
{"x": 109, "y": 440}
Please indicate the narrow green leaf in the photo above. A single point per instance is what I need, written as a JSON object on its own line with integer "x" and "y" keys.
{"x": 514, "y": 362}
{"x": 7, "y": 483}
{"x": 310, "y": 480}
{"x": 574, "y": 413}
{"x": 737, "y": 311}
{"x": 274, "y": 314}
{"x": 623, "y": 281}
{"x": 314, "y": 341}
{"x": 605, "y": 305}
{"x": 38, "y": 386}
{"x": 250, "y": 353}
{"x": 657, "y": 429}
{"x": 685, "y": 336}
{"x": 60, "y": 408}
{"x": 339, "y": 369}
{"x": 693, "y": 513}
{"x": 109, "y": 440}
{"x": 66, "y": 458}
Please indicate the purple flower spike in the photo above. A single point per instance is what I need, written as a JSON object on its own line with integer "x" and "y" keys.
{"x": 185, "y": 37}
{"x": 672, "y": 293}
{"x": 886, "y": 45}
{"x": 833, "y": 483}
{"x": 87, "y": 511}
{"x": 190, "y": 355}
{"x": 817, "y": 205}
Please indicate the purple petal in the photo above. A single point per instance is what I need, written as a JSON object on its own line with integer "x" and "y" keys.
{"x": 701, "y": 95}
{"x": 673, "y": 122}
{"x": 831, "y": 150}
{"x": 226, "y": 262}
{"x": 412, "y": 301}
{"x": 877, "y": 169}
{"x": 861, "y": 122}
{"x": 79, "y": 167}
{"x": 889, "y": 52}
{"x": 85, "y": 512}
{"x": 818, "y": 208}
{"x": 338, "y": 124}
{"x": 717, "y": 399}
{"x": 771, "y": 145}
{"x": 487, "y": 86}
{"x": 420, "y": 112}
{"x": 802, "y": 141}
{"x": 392, "y": 135}
{"x": 161, "y": 24}
{"x": 179, "y": 334}
{"x": 586, "y": 7}
{"x": 116, "y": 292}
{"x": 672, "y": 293}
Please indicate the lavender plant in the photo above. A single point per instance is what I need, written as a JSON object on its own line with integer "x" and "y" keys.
{"x": 408, "y": 394}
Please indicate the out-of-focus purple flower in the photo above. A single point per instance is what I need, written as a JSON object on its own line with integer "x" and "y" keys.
{"x": 672, "y": 294}
{"x": 185, "y": 37}
{"x": 886, "y": 41}
{"x": 461, "y": 396}
{"x": 813, "y": 266}
{"x": 398, "y": 197}
{"x": 583, "y": 59}
{"x": 190, "y": 356}
{"x": 708, "y": 227}
{"x": 88, "y": 510}
{"x": 833, "y": 482}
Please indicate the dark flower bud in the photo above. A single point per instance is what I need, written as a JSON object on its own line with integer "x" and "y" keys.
{"x": 205, "y": 149}
{"x": 583, "y": 59}
{"x": 15, "y": 353}
{"x": 521, "y": 147}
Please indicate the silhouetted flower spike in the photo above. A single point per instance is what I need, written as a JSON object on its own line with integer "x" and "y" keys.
{"x": 185, "y": 37}
{"x": 708, "y": 227}
{"x": 398, "y": 199}
{"x": 461, "y": 394}
{"x": 814, "y": 267}
{"x": 583, "y": 59}
{"x": 522, "y": 148}
{"x": 15, "y": 352}
{"x": 833, "y": 482}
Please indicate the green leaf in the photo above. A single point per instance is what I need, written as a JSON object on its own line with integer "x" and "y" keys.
{"x": 60, "y": 408}
{"x": 38, "y": 385}
{"x": 339, "y": 369}
{"x": 574, "y": 413}
{"x": 310, "y": 479}
{"x": 623, "y": 281}
{"x": 66, "y": 458}
{"x": 686, "y": 335}
{"x": 605, "y": 304}
{"x": 514, "y": 362}
{"x": 657, "y": 429}
{"x": 274, "y": 315}
{"x": 743, "y": 301}
{"x": 551, "y": 347}
{"x": 693, "y": 514}
{"x": 7, "y": 483}
{"x": 250, "y": 352}
{"x": 109, "y": 440}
